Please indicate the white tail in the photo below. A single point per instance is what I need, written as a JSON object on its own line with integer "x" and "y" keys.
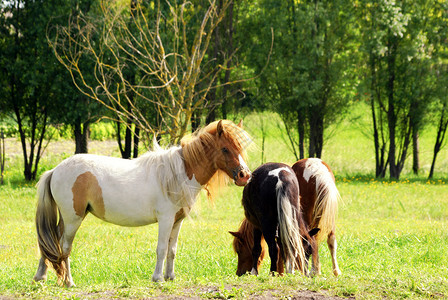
{"x": 294, "y": 254}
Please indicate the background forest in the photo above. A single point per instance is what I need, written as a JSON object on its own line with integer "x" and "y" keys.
{"x": 362, "y": 84}
{"x": 163, "y": 68}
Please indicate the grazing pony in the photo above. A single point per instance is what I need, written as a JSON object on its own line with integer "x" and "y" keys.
{"x": 161, "y": 186}
{"x": 271, "y": 205}
{"x": 319, "y": 200}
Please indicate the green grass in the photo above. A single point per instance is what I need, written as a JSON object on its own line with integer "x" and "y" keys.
{"x": 392, "y": 238}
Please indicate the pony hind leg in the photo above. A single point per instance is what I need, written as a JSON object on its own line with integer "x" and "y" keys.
{"x": 269, "y": 236}
{"x": 332, "y": 246}
{"x": 172, "y": 247}
{"x": 66, "y": 243}
{"x": 41, "y": 273}
{"x": 256, "y": 251}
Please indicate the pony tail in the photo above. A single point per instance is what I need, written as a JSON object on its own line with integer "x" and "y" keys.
{"x": 49, "y": 231}
{"x": 293, "y": 252}
{"x": 326, "y": 207}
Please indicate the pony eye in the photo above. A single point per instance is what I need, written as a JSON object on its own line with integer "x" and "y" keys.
{"x": 225, "y": 150}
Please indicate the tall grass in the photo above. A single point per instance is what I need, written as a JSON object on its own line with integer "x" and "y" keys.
{"x": 392, "y": 237}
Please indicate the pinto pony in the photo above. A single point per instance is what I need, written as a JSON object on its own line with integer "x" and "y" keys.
{"x": 271, "y": 205}
{"x": 161, "y": 186}
{"x": 318, "y": 199}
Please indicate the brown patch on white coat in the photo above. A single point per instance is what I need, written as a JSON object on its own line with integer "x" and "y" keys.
{"x": 88, "y": 196}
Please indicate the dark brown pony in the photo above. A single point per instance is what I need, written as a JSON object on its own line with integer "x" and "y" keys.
{"x": 271, "y": 205}
{"x": 319, "y": 199}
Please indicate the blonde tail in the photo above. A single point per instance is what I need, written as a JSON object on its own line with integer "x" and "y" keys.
{"x": 326, "y": 207}
{"x": 49, "y": 230}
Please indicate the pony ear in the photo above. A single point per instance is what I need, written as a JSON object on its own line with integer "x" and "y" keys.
{"x": 220, "y": 128}
{"x": 235, "y": 234}
{"x": 240, "y": 124}
{"x": 313, "y": 231}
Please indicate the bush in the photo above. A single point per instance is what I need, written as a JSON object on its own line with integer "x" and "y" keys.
{"x": 102, "y": 131}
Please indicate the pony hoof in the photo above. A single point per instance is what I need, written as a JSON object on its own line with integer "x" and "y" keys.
{"x": 337, "y": 272}
{"x": 37, "y": 279}
{"x": 170, "y": 277}
{"x": 70, "y": 284}
{"x": 157, "y": 278}
{"x": 254, "y": 272}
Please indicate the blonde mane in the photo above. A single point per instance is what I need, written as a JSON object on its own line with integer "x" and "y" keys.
{"x": 194, "y": 150}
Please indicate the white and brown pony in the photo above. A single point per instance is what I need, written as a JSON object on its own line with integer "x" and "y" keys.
{"x": 319, "y": 199}
{"x": 161, "y": 186}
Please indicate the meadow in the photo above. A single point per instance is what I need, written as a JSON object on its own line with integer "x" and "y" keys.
{"x": 392, "y": 235}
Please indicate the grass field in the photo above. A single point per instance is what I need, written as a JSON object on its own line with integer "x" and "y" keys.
{"x": 392, "y": 236}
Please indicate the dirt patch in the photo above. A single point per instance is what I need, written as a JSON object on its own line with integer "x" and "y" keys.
{"x": 216, "y": 293}
{"x": 13, "y": 148}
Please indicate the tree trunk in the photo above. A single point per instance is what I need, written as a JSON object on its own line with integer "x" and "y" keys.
{"x": 31, "y": 162}
{"x": 136, "y": 141}
{"x": 415, "y": 151}
{"x": 131, "y": 140}
{"x": 391, "y": 113}
{"x": 441, "y": 132}
{"x": 81, "y": 132}
{"x": 301, "y": 130}
{"x": 125, "y": 149}
{"x": 316, "y": 133}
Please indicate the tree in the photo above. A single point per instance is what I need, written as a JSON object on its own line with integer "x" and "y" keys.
{"x": 308, "y": 67}
{"x": 169, "y": 64}
{"x": 437, "y": 38}
{"x": 26, "y": 70}
{"x": 397, "y": 79}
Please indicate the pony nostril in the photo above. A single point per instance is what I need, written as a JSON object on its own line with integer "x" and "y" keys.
{"x": 241, "y": 174}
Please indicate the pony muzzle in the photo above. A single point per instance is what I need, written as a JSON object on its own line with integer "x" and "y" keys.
{"x": 241, "y": 176}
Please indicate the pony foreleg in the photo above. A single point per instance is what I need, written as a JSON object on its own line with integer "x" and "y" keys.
{"x": 315, "y": 268}
{"x": 41, "y": 273}
{"x": 172, "y": 247}
{"x": 256, "y": 251}
{"x": 165, "y": 228}
{"x": 332, "y": 246}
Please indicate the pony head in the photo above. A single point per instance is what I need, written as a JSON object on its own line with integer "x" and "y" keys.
{"x": 219, "y": 147}
{"x": 232, "y": 141}
{"x": 243, "y": 242}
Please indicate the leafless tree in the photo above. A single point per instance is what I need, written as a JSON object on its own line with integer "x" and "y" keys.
{"x": 163, "y": 49}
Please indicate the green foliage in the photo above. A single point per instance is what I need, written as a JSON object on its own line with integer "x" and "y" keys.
{"x": 102, "y": 131}
{"x": 308, "y": 79}
{"x": 9, "y": 127}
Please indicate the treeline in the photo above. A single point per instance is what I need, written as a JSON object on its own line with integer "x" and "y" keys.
{"x": 160, "y": 69}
